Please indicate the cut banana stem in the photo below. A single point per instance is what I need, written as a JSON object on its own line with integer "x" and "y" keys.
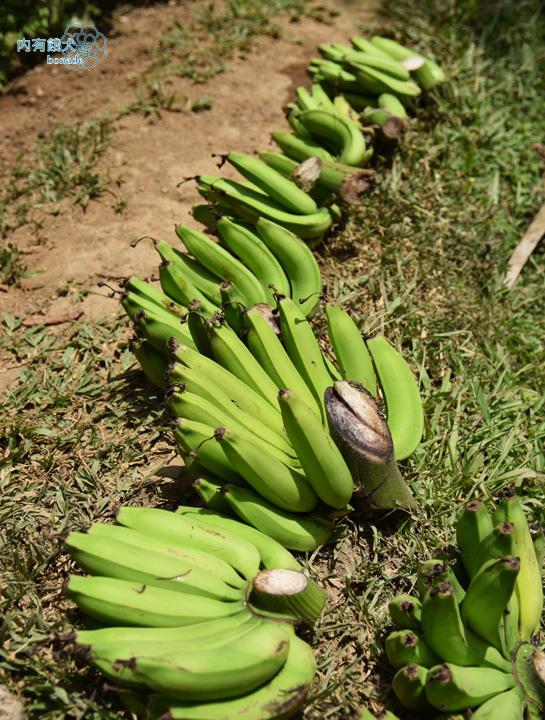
{"x": 392, "y": 126}
{"x": 290, "y": 591}
{"x": 362, "y": 435}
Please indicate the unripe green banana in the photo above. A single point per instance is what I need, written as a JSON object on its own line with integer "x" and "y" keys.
{"x": 376, "y": 81}
{"x": 152, "y": 362}
{"x": 509, "y": 705}
{"x": 284, "y": 191}
{"x": 252, "y": 205}
{"x": 198, "y": 276}
{"x": 298, "y": 262}
{"x": 225, "y": 406}
{"x": 321, "y": 98}
{"x": 99, "y": 555}
{"x": 196, "y": 323}
{"x": 279, "y": 698}
{"x": 255, "y": 254}
{"x": 180, "y": 288}
{"x": 181, "y": 530}
{"x": 337, "y": 76}
{"x": 232, "y": 308}
{"x": 117, "y": 660}
{"x": 500, "y": 542}
{"x": 158, "y": 330}
{"x": 321, "y": 460}
{"x": 142, "y": 289}
{"x": 400, "y": 52}
{"x": 186, "y": 633}
{"x": 114, "y": 601}
{"x": 266, "y": 347}
{"x": 303, "y": 349}
{"x": 431, "y": 573}
{"x": 223, "y": 264}
{"x": 404, "y": 413}
{"x": 280, "y": 484}
{"x": 230, "y": 352}
{"x": 195, "y": 439}
{"x": 298, "y": 147}
{"x": 350, "y": 350}
{"x": 344, "y": 134}
{"x": 241, "y": 665}
{"x": 487, "y": 598}
{"x": 238, "y": 391}
{"x": 404, "y": 647}
{"x": 473, "y": 525}
{"x": 406, "y": 612}
{"x": 208, "y": 488}
{"x": 385, "y": 65}
{"x": 294, "y": 531}
{"x": 409, "y": 685}
{"x": 368, "y": 47}
{"x": 450, "y": 687}
{"x": 447, "y": 636}
{"x": 529, "y": 583}
{"x": 191, "y": 555}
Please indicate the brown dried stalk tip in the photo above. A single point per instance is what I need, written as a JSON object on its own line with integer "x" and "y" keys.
{"x": 443, "y": 588}
{"x": 219, "y": 432}
{"x": 410, "y": 640}
{"x": 442, "y": 674}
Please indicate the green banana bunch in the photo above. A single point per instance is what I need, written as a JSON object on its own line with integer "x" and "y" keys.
{"x": 251, "y": 204}
{"x": 476, "y": 646}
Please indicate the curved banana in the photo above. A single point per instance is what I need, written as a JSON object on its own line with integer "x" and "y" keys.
{"x": 191, "y": 555}
{"x": 500, "y": 542}
{"x": 529, "y": 583}
{"x": 447, "y": 636}
{"x": 509, "y": 705}
{"x": 298, "y": 147}
{"x": 180, "y": 530}
{"x": 338, "y": 76}
{"x": 194, "y": 441}
{"x": 404, "y": 413}
{"x": 487, "y": 598}
{"x": 473, "y": 525}
{"x": 294, "y": 531}
{"x": 158, "y": 329}
{"x": 386, "y": 65}
{"x": 280, "y": 484}
{"x": 237, "y": 667}
{"x": 180, "y": 288}
{"x": 321, "y": 460}
{"x": 221, "y": 405}
{"x": 450, "y": 687}
{"x": 377, "y": 81}
{"x": 230, "y": 352}
{"x": 349, "y": 347}
{"x": 114, "y": 601}
{"x": 298, "y": 262}
{"x": 199, "y": 277}
{"x": 143, "y": 289}
{"x": 280, "y": 697}
{"x": 303, "y": 349}
{"x": 221, "y": 263}
{"x": 273, "y": 554}
{"x": 100, "y": 555}
{"x": 268, "y": 350}
{"x": 284, "y": 191}
{"x": 255, "y": 254}
{"x": 344, "y": 134}
{"x": 238, "y": 391}
{"x": 208, "y": 488}
{"x": 252, "y": 205}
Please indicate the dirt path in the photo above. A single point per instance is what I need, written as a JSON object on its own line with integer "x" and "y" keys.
{"x": 247, "y": 107}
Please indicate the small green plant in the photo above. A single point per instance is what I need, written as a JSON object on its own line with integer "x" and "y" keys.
{"x": 12, "y": 267}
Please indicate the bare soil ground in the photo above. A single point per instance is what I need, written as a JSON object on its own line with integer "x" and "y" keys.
{"x": 92, "y": 245}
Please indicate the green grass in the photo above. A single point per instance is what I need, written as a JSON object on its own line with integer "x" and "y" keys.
{"x": 423, "y": 260}
{"x": 62, "y": 165}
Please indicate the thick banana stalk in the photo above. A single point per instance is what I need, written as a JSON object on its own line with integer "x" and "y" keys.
{"x": 290, "y": 591}
{"x": 362, "y": 435}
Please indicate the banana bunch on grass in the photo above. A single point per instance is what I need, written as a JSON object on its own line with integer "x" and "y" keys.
{"x": 379, "y": 77}
{"x": 272, "y": 431}
{"x": 467, "y": 644}
{"x": 197, "y": 615}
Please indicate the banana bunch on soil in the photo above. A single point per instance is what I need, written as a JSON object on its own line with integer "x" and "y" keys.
{"x": 467, "y": 644}
{"x": 197, "y": 614}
